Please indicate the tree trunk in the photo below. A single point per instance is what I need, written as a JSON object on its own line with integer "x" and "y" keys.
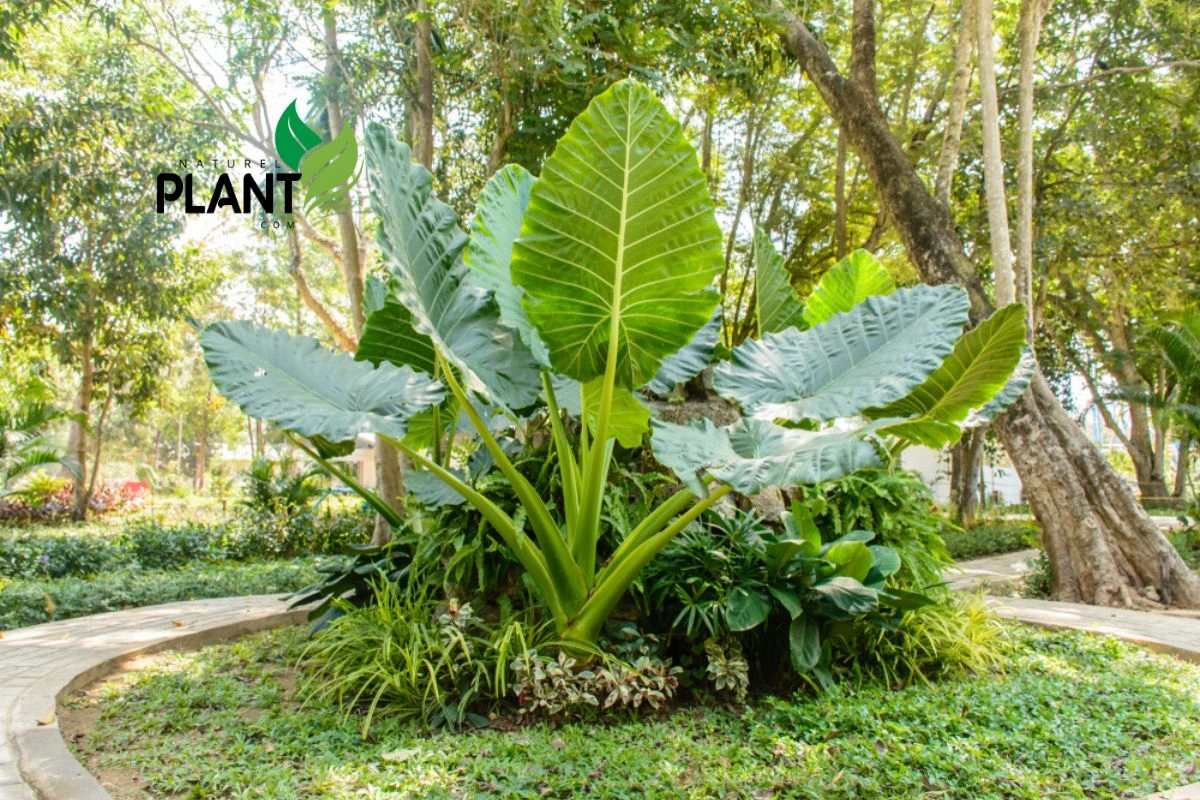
{"x": 1181, "y": 466}
{"x": 296, "y": 269}
{"x": 966, "y": 462}
{"x": 952, "y": 138}
{"x": 79, "y": 429}
{"x": 1029, "y": 29}
{"x": 839, "y": 199}
{"x": 993, "y": 161}
{"x": 424, "y": 147}
{"x": 389, "y": 481}
{"x": 1103, "y": 548}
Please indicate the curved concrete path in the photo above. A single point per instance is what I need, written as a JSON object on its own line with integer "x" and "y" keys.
{"x": 41, "y": 664}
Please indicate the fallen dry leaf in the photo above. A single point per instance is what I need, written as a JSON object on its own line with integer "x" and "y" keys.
{"x": 396, "y": 756}
{"x": 47, "y": 718}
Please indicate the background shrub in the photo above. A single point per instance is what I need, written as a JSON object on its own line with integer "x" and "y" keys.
{"x": 898, "y": 507}
{"x": 35, "y": 601}
{"x": 991, "y": 538}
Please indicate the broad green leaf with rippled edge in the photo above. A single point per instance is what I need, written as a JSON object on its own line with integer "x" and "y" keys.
{"x": 1015, "y": 387}
{"x": 869, "y": 356}
{"x": 389, "y": 336}
{"x": 619, "y": 237}
{"x": 687, "y": 362}
{"x": 975, "y": 371}
{"x": 328, "y": 171}
{"x": 293, "y": 138}
{"x": 300, "y": 386}
{"x": 495, "y": 227}
{"x": 850, "y": 281}
{"x": 751, "y": 454}
{"x": 422, "y": 246}
{"x": 775, "y": 301}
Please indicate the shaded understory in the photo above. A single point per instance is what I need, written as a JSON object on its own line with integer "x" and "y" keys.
{"x": 1073, "y": 717}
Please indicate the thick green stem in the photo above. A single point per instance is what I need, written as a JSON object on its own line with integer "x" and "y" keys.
{"x": 566, "y": 460}
{"x": 569, "y": 580}
{"x": 373, "y": 499}
{"x": 647, "y": 528}
{"x": 585, "y": 626}
{"x": 526, "y": 552}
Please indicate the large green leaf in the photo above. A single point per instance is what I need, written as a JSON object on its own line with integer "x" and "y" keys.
{"x": 628, "y": 419}
{"x": 975, "y": 371}
{"x": 421, "y": 240}
{"x": 689, "y": 360}
{"x": 852, "y": 280}
{"x": 389, "y": 336}
{"x": 869, "y": 356}
{"x": 746, "y": 609}
{"x": 1022, "y": 376}
{"x": 497, "y": 223}
{"x": 847, "y": 596}
{"x": 752, "y": 454}
{"x": 774, "y": 298}
{"x": 854, "y": 560}
{"x": 619, "y": 239}
{"x": 804, "y": 643}
{"x": 304, "y": 388}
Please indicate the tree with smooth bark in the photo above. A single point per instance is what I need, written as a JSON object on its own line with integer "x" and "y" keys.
{"x": 1103, "y": 547}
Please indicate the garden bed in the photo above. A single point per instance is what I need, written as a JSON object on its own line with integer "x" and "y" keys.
{"x": 1072, "y": 716}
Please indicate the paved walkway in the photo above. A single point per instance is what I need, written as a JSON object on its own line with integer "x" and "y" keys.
{"x": 993, "y": 570}
{"x": 43, "y": 663}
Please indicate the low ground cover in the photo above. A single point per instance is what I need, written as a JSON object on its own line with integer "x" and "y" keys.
{"x": 990, "y": 537}
{"x": 30, "y": 602}
{"x": 1070, "y": 717}
{"x": 59, "y": 571}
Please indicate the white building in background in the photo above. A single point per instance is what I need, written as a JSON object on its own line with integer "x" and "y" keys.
{"x": 1000, "y": 482}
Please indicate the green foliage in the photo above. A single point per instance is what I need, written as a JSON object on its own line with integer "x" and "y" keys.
{"x": 277, "y": 487}
{"x": 24, "y": 447}
{"x": 775, "y": 299}
{"x": 1039, "y": 580}
{"x": 1187, "y": 541}
{"x": 30, "y": 602}
{"x": 955, "y": 637}
{"x": 614, "y": 278}
{"x": 791, "y": 590}
{"x": 1072, "y": 715}
{"x": 352, "y": 584}
{"x": 990, "y": 538}
{"x": 847, "y": 283}
{"x": 897, "y": 506}
{"x": 152, "y": 545}
{"x": 411, "y": 656}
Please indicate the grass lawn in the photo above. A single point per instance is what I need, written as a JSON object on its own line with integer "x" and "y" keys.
{"x": 1073, "y": 717}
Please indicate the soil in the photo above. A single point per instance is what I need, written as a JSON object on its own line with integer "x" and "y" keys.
{"x": 77, "y": 720}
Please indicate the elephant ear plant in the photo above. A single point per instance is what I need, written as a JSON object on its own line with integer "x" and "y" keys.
{"x": 590, "y": 282}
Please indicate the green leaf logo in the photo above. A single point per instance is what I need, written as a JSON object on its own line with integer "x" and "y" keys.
{"x": 328, "y": 171}
{"x": 293, "y": 138}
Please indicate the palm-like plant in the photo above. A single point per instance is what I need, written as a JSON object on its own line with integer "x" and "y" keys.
{"x": 23, "y": 444}
{"x": 1178, "y": 342}
{"x": 572, "y": 293}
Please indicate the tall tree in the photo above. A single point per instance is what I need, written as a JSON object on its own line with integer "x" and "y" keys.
{"x": 99, "y": 270}
{"x": 1103, "y": 548}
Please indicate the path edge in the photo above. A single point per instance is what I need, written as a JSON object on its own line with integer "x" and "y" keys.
{"x": 46, "y": 765}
